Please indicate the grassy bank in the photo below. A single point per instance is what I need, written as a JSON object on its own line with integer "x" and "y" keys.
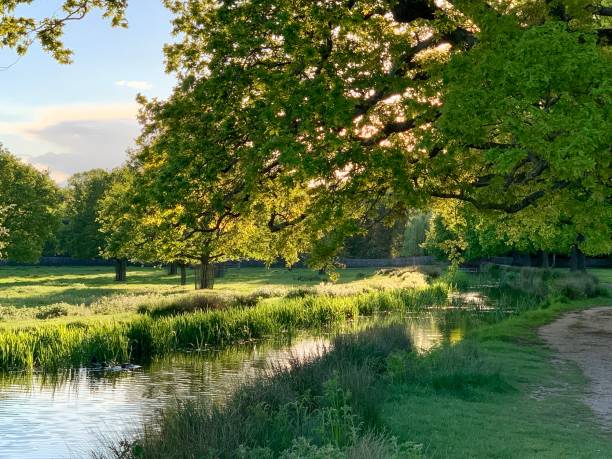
{"x": 139, "y": 337}
{"x": 542, "y": 416}
{"x": 495, "y": 394}
{"x": 322, "y": 408}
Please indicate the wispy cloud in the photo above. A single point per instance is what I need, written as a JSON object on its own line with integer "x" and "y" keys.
{"x": 135, "y": 84}
{"x": 72, "y": 138}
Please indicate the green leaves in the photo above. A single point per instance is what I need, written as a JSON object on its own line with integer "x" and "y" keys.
{"x": 80, "y": 235}
{"x": 20, "y": 32}
{"x": 29, "y": 202}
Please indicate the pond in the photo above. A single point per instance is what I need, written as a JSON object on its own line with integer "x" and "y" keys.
{"x": 75, "y": 412}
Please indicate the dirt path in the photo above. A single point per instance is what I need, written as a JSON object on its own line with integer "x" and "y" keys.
{"x": 585, "y": 338}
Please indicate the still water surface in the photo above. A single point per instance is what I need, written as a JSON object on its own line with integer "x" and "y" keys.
{"x": 70, "y": 414}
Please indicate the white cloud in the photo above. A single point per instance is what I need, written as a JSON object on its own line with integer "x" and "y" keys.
{"x": 135, "y": 84}
{"x": 73, "y": 138}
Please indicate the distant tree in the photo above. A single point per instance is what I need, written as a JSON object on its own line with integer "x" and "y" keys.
{"x": 19, "y": 32}
{"x": 122, "y": 238}
{"x": 380, "y": 237}
{"x": 30, "y": 201}
{"x": 415, "y": 234}
{"x": 3, "y": 231}
{"x": 80, "y": 235}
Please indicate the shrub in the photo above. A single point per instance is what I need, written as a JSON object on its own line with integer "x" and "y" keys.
{"x": 544, "y": 282}
{"x": 52, "y": 311}
{"x": 577, "y": 286}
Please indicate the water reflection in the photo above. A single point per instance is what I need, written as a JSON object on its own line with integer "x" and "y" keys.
{"x": 65, "y": 415}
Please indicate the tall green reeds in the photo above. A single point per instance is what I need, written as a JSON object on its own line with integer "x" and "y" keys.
{"x": 50, "y": 347}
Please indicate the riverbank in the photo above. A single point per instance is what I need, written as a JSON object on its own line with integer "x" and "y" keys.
{"x": 138, "y": 337}
{"x": 544, "y": 415}
{"x": 498, "y": 393}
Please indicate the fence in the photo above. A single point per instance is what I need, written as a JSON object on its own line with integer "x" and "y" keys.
{"x": 560, "y": 262}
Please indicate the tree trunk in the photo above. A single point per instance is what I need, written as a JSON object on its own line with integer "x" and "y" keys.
{"x": 204, "y": 275}
{"x": 183, "y": 274}
{"x": 172, "y": 269}
{"x": 545, "y": 264}
{"x": 577, "y": 262}
{"x": 120, "y": 270}
{"x": 554, "y": 260}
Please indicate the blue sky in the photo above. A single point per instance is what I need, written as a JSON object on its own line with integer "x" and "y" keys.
{"x": 69, "y": 118}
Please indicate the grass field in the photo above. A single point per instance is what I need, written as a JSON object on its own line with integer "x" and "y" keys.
{"x": 41, "y": 286}
{"x": 52, "y": 293}
{"x": 58, "y": 318}
{"x": 603, "y": 274}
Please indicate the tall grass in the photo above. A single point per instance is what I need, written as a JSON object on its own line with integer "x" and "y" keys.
{"x": 50, "y": 347}
{"x": 326, "y": 407}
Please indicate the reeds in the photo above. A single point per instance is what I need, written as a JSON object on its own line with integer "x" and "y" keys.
{"x": 54, "y": 346}
{"x": 323, "y": 407}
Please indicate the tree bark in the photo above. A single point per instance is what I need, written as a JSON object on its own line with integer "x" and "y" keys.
{"x": 545, "y": 264}
{"x": 204, "y": 275}
{"x": 183, "y": 274}
{"x": 577, "y": 261}
{"x": 172, "y": 269}
{"x": 120, "y": 270}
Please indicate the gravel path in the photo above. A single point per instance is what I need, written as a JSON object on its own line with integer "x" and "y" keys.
{"x": 585, "y": 338}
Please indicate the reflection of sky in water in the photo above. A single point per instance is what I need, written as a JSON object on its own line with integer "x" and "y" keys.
{"x": 67, "y": 415}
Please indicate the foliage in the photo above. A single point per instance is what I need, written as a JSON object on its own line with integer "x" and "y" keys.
{"x": 512, "y": 106}
{"x": 380, "y": 237}
{"x": 29, "y": 200}
{"x": 347, "y": 103}
{"x": 415, "y": 234}
{"x": 80, "y": 235}
{"x": 20, "y": 32}
{"x": 3, "y": 230}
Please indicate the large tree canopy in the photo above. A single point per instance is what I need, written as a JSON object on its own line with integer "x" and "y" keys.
{"x": 29, "y": 200}
{"x": 502, "y": 105}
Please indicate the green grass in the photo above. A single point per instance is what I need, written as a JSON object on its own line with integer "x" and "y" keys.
{"x": 603, "y": 274}
{"x": 41, "y": 286}
{"x": 543, "y": 416}
{"x": 31, "y": 295}
{"x": 56, "y": 345}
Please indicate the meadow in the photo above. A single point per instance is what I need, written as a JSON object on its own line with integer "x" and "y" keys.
{"x": 34, "y": 286}
{"x": 31, "y": 294}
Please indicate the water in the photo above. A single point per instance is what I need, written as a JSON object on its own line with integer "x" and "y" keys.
{"x": 70, "y": 414}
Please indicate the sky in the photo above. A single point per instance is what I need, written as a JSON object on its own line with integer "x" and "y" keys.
{"x": 71, "y": 118}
